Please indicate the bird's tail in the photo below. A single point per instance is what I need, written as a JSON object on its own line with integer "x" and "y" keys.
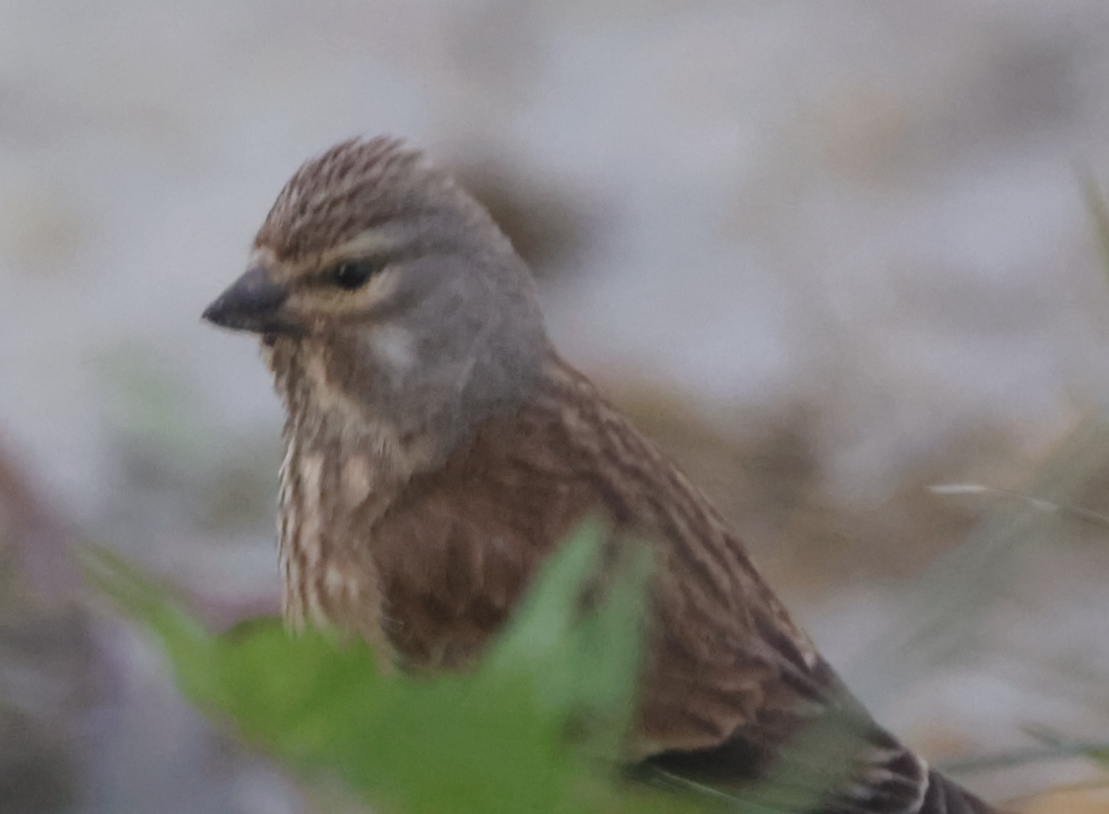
{"x": 896, "y": 781}
{"x": 886, "y": 776}
{"x": 841, "y": 762}
{"x": 887, "y": 779}
{"x": 942, "y": 796}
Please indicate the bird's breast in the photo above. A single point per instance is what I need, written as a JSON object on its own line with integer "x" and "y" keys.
{"x": 329, "y": 500}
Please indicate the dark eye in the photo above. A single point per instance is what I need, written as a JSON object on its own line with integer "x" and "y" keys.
{"x": 353, "y": 275}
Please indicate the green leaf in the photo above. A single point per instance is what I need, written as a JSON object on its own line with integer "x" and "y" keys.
{"x": 491, "y": 741}
{"x": 585, "y": 665}
{"x": 191, "y": 649}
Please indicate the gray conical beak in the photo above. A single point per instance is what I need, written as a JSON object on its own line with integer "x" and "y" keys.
{"x": 252, "y": 303}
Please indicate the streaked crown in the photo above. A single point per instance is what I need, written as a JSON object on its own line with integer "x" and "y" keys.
{"x": 355, "y": 186}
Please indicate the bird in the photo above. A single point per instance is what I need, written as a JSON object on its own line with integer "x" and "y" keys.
{"x": 438, "y": 449}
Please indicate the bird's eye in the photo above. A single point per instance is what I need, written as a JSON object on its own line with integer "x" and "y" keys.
{"x": 353, "y": 275}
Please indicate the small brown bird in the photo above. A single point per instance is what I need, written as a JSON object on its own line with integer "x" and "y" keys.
{"x": 437, "y": 448}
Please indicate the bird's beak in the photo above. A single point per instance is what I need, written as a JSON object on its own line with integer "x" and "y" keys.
{"x": 252, "y": 303}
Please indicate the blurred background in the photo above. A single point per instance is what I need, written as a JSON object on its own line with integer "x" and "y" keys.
{"x": 827, "y": 254}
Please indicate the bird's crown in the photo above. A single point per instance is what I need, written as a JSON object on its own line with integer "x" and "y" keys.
{"x": 354, "y": 186}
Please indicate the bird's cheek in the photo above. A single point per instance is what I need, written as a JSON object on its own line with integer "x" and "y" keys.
{"x": 393, "y": 346}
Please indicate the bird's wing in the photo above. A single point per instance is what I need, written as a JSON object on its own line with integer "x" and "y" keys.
{"x": 734, "y": 689}
{"x": 731, "y": 684}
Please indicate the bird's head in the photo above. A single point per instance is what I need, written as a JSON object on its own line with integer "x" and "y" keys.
{"x": 413, "y": 302}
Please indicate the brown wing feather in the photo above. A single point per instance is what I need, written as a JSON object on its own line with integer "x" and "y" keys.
{"x": 457, "y": 546}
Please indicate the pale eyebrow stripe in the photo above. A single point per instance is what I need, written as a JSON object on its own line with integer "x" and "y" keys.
{"x": 366, "y": 244}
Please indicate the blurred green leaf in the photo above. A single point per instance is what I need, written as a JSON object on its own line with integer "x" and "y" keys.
{"x": 192, "y": 651}
{"x": 492, "y": 741}
{"x": 585, "y": 665}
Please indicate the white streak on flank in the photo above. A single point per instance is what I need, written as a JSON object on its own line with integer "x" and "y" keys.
{"x": 354, "y": 588}
{"x": 356, "y": 480}
{"x": 316, "y": 373}
{"x": 311, "y": 472}
{"x": 339, "y": 586}
{"x": 393, "y": 346}
{"x": 291, "y": 607}
{"x": 316, "y": 613}
{"x": 285, "y": 472}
